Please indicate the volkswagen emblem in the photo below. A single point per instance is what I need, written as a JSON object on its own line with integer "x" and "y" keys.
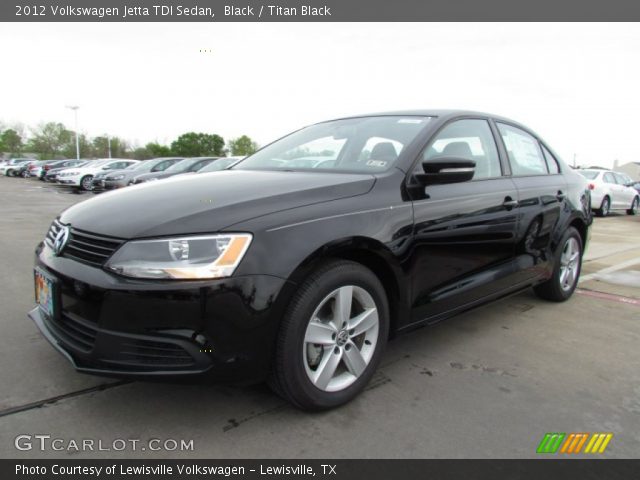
{"x": 61, "y": 240}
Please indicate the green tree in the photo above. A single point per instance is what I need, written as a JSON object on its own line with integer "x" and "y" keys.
{"x": 100, "y": 147}
{"x": 157, "y": 150}
{"x": 49, "y": 139}
{"x": 242, "y": 146}
{"x": 11, "y": 142}
{"x": 141, "y": 153}
{"x": 69, "y": 149}
{"x": 198, "y": 145}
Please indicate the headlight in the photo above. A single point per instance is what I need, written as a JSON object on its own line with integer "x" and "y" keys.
{"x": 185, "y": 258}
{"x": 117, "y": 177}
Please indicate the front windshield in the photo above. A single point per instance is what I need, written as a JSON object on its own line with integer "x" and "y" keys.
{"x": 144, "y": 165}
{"x": 218, "y": 165}
{"x": 364, "y": 144}
{"x": 182, "y": 165}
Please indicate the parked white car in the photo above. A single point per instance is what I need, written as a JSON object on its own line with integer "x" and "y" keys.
{"x": 82, "y": 177}
{"x": 10, "y": 168}
{"x": 611, "y": 191}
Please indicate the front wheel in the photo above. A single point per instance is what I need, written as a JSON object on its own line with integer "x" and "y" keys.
{"x": 566, "y": 271}
{"x": 634, "y": 207}
{"x": 87, "y": 183}
{"x": 332, "y": 337}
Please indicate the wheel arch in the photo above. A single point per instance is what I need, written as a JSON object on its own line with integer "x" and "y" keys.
{"x": 370, "y": 253}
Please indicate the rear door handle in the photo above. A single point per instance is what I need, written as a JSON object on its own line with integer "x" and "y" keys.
{"x": 509, "y": 203}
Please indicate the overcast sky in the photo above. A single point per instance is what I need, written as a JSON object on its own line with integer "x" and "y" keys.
{"x": 577, "y": 85}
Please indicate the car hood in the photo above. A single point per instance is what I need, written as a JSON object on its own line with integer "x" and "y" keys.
{"x": 208, "y": 202}
{"x": 159, "y": 175}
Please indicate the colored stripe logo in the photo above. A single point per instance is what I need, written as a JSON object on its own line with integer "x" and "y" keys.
{"x": 574, "y": 443}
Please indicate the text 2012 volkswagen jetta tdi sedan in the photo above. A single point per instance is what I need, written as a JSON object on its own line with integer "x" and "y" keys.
{"x": 299, "y": 275}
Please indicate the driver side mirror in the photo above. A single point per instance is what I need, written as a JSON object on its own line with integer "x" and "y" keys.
{"x": 442, "y": 170}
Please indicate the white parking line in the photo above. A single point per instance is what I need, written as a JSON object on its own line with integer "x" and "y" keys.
{"x": 612, "y": 268}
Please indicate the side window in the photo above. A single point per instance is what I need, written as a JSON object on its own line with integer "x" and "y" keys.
{"x": 552, "y": 163}
{"x": 469, "y": 139}
{"x": 609, "y": 178}
{"x": 524, "y": 151}
{"x": 621, "y": 178}
{"x": 198, "y": 165}
{"x": 162, "y": 166}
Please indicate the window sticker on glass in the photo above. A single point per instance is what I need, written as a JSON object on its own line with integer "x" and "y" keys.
{"x": 411, "y": 120}
{"x": 377, "y": 163}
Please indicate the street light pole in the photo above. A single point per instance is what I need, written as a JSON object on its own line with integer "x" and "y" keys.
{"x": 75, "y": 111}
{"x": 109, "y": 144}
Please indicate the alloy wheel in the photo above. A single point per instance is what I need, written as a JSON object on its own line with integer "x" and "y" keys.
{"x": 341, "y": 338}
{"x": 634, "y": 206}
{"x": 569, "y": 264}
{"x": 87, "y": 182}
{"x": 605, "y": 207}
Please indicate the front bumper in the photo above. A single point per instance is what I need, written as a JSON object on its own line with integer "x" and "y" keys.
{"x": 114, "y": 326}
{"x": 73, "y": 182}
{"x": 113, "y": 184}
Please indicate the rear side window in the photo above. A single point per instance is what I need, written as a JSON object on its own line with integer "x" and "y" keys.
{"x": 524, "y": 151}
{"x": 609, "y": 178}
{"x": 552, "y": 163}
{"x": 469, "y": 139}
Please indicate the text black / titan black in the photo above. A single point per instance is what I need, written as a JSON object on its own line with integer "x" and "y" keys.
{"x": 298, "y": 263}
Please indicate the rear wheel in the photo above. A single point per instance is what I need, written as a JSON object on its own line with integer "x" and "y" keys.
{"x": 634, "y": 206}
{"x": 332, "y": 337}
{"x": 605, "y": 207}
{"x": 568, "y": 263}
{"x": 87, "y": 182}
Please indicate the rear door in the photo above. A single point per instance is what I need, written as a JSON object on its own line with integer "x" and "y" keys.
{"x": 627, "y": 194}
{"x": 541, "y": 191}
{"x": 463, "y": 232}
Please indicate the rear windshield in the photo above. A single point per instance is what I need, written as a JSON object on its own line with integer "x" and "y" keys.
{"x": 588, "y": 175}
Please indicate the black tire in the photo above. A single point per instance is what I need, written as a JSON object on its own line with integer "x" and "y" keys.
{"x": 289, "y": 377}
{"x": 605, "y": 207}
{"x": 11, "y": 173}
{"x": 552, "y": 289}
{"x": 634, "y": 206}
{"x": 85, "y": 183}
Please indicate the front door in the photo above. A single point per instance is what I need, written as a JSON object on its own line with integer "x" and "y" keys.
{"x": 464, "y": 232}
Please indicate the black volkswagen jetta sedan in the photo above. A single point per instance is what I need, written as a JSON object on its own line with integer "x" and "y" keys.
{"x": 299, "y": 276}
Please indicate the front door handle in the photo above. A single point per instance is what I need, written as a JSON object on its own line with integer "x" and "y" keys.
{"x": 509, "y": 203}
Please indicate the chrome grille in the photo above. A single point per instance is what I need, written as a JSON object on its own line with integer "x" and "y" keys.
{"x": 85, "y": 247}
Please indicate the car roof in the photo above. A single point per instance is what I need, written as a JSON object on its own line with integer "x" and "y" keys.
{"x": 441, "y": 113}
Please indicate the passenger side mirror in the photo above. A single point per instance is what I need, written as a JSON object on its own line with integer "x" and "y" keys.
{"x": 442, "y": 170}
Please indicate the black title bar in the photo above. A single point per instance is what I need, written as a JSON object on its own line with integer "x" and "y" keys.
{"x": 322, "y": 469}
{"x": 317, "y": 10}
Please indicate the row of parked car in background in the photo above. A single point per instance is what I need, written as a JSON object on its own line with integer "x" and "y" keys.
{"x": 111, "y": 173}
{"x": 609, "y": 190}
